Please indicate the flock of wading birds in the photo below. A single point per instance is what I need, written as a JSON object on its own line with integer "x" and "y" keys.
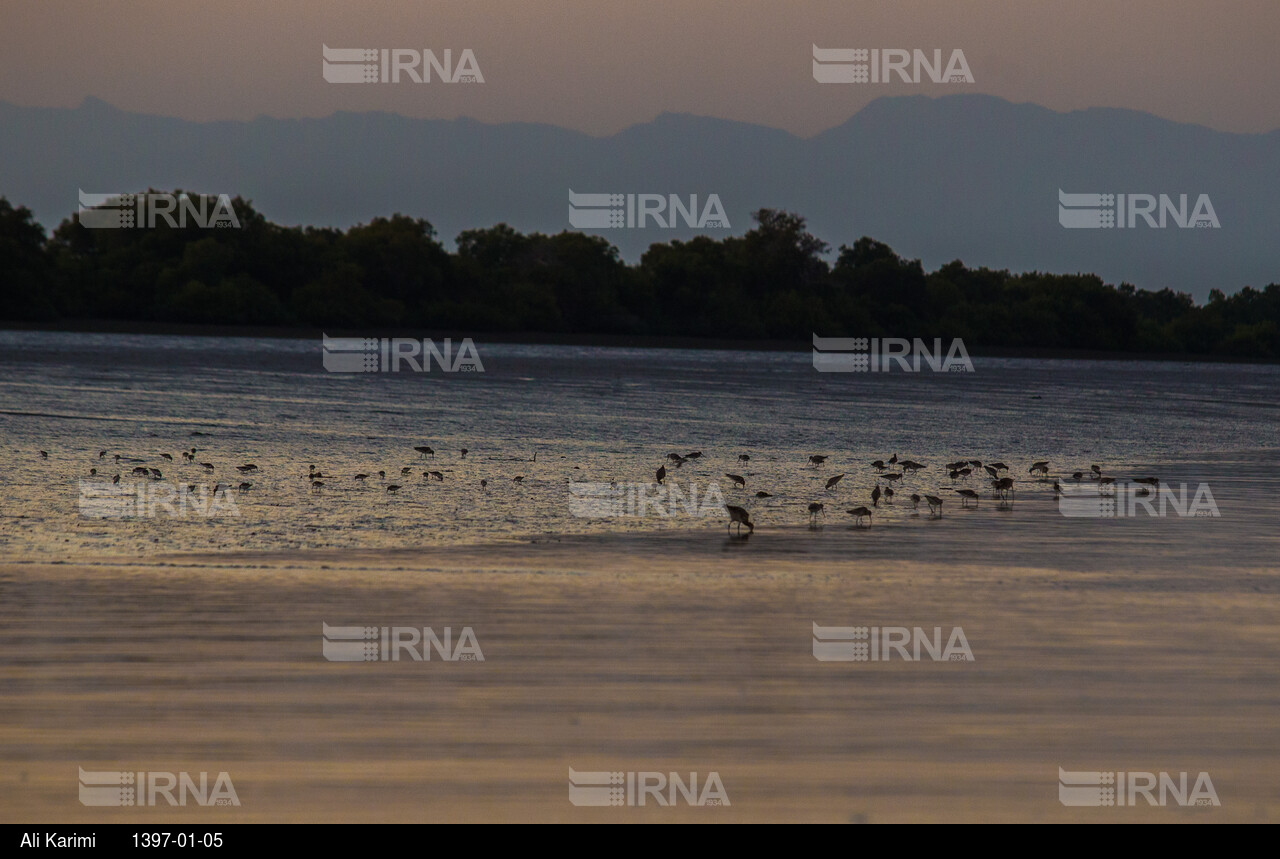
{"x": 997, "y": 474}
{"x": 892, "y": 470}
{"x": 315, "y": 477}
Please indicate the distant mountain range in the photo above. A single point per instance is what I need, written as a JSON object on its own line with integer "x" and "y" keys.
{"x": 968, "y": 177}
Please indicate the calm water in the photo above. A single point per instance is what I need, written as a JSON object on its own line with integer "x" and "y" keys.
{"x": 601, "y": 415}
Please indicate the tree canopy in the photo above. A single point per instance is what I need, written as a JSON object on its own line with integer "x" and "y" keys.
{"x": 774, "y": 283}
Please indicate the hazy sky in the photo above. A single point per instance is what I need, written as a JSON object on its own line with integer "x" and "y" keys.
{"x": 600, "y": 65}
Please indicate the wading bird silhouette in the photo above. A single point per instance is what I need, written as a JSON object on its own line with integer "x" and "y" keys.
{"x": 740, "y": 517}
{"x": 858, "y": 514}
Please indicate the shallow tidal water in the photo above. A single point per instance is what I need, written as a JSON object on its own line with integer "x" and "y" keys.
{"x": 601, "y": 416}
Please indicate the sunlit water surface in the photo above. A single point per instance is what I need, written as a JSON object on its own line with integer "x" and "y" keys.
{"x": 603, "y": 415}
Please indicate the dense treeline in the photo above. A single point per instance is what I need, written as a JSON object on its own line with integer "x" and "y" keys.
{"x": 772, "y": 283}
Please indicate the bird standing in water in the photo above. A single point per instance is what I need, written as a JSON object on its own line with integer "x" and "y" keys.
{"x": 858, "y": 514}
{"x": 741, "y": 517}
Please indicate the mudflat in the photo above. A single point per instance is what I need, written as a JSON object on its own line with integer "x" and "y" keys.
{"x": 655, "y": 653}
